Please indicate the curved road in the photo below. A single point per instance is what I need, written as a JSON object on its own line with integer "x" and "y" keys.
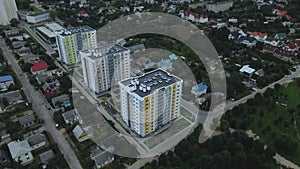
{"x": 38, "y": 105}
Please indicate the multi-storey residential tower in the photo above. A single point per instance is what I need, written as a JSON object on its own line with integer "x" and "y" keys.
{"x": 8, "y": 11}
{"x": 104, "y": 66}
{"x": 70, "y": 41}
{"x": 150, "y": 101}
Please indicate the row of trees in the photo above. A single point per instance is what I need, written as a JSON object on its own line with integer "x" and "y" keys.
{"x": 227, "y": 151}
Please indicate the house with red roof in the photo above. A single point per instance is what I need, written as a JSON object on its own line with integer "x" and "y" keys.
{"x": 261, "y": 37}
{"x": 83, "y": 13}
{"x": 281, "y": 13}
{"x": 39, "y": 67}
{"x": 292, "y": 46}
{"x": 194, "y": 17}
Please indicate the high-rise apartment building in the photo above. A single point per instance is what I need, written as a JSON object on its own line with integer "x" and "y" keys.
{"x": 150, "y": 101}
{"x": 8, "y": 11}
{"x": 70, "y": 41}
{"x": 104, "y": 66}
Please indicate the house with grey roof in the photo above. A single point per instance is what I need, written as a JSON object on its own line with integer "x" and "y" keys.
{"x": 101, "y": 157}
{"x": 137, "y": 48}
{"x": 80, "y": 134}
{"x": 13, "y": 97}
{"x": 46, "y": 156}
{"x": 26, "y": 120}
{"x": 37, "y": 141}
{"x": 51, "y": 87}
{"x": 61, "y": 101}
{"x": 70, "y": 117}
{"x": 41, "y": 78}
{"x": 20, "y": 151}
{"x": 18, "y": 44}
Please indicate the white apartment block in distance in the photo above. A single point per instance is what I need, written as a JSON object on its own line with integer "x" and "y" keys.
{"x": 71, "y": 40}
{"x": 150, "y": 101}
{"x": 105, "y": 66}
{"x": 8, "y": 11}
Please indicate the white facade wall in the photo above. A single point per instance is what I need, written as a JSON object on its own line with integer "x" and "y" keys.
{"x": 8, "y": 11}
{"x": 160, "y": 110}
{"x": 102, "y": 69}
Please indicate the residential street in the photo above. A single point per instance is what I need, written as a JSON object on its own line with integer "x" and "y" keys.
{"x": 38, "y": 105}
{"x": 47, "y": 47}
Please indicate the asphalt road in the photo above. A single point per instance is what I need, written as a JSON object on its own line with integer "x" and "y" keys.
{"x": 46, "y": 46}
{"x": 285, "y": 79}
{"x": 38, "y": 105}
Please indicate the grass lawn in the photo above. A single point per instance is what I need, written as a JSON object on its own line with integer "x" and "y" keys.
{"x": 121, "y": 146}
{"x": 241, "y": 95}
{"x": 271, "y": 116}
{"x": 35, "y": 9}
{"x": 187, "y": 114}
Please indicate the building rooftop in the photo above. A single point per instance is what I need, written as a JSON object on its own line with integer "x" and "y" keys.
{"x": 137, "y": 47}
{"x": 247, "y": 69}
{"x": 37, "y": 13}
{"x": 74, "y": 30}
{"x": 42, "y": 65}
{"x": 46, "y": 156}
{"x": 18, "y": 148}
{"x": 147, "y": 83}
{"x": 201, "y": 86}
{"x": 46, "y": 31}
{"x": 104, "y": 50}
{"x": 69, "y": 115}
{"x": 6, "y": 78}
{"x": 61, "y": 98}
{"x": 36, "y": 139}
{"x": 101, "y": 156}
{"x": 78, "y": 131}
{"x": 26, "y": 119}
{"x": 54, "y": 26}
{"x": 12, "y": 96}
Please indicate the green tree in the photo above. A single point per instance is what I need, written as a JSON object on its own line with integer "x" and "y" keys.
{"x": 53, "y": 14}
{"x": 14, "y": 22}
{"x": 285, "y": 143}
{"x": 224, "y": 125}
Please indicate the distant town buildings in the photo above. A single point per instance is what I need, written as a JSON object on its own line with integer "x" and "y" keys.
{"x": 219, "y": 6}
{"x": 194, "y": 17}
{"x": 77, "y": 1}
{"x": 104, "y": 66}
{"x": 72, "y": 40}
{"x": 150, "y": 101}
{"x": 8, "y": 11}
{"x": 37, "y": 17}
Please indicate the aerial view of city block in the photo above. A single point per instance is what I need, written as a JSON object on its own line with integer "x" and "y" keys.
{"x": 149, "y": 84}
